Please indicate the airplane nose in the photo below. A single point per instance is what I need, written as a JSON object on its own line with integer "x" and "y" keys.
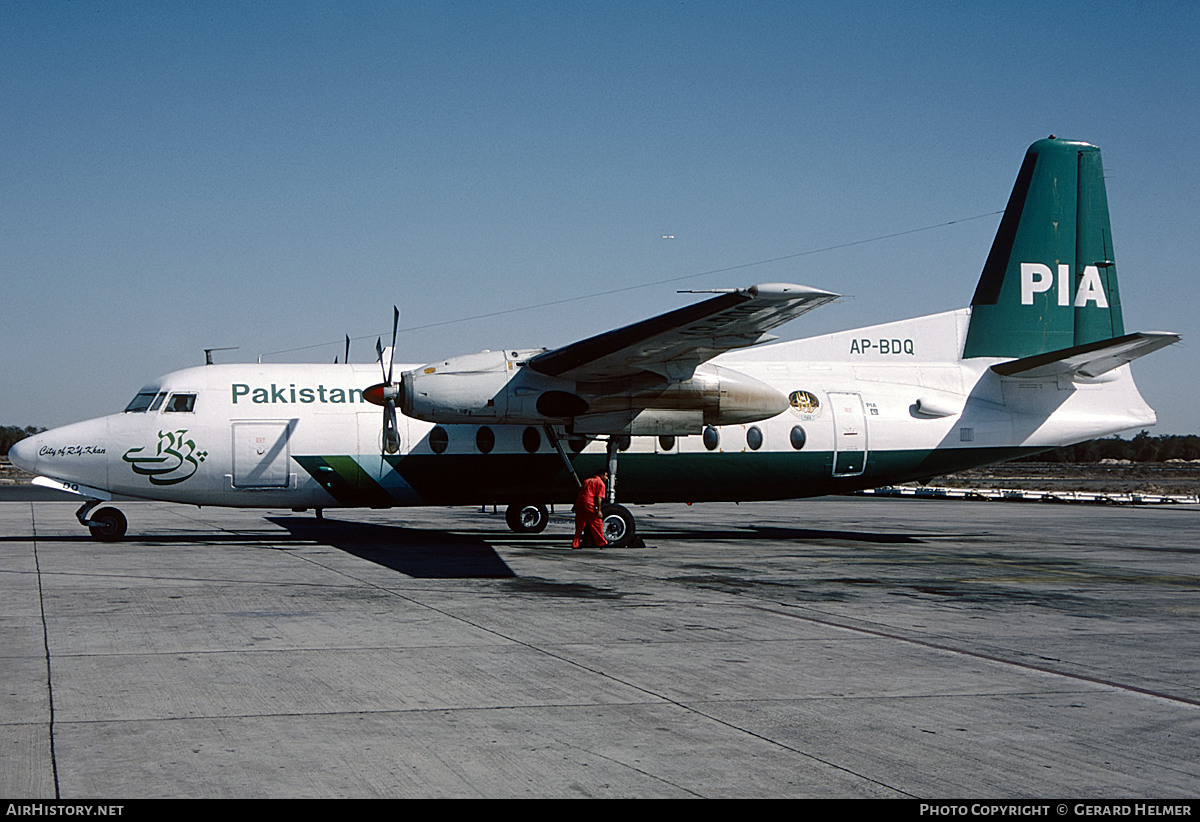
{"x": 24, "y": 454}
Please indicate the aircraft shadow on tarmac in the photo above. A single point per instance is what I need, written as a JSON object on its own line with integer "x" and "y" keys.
{"x": 415, "y": 552}
{"x": 448, "y": 554}
{"x": 436, "y": 554}
{"x": 384, "y": 544}
{"x": 752, "y": 533}
{"x": 418, "y": 553}
{"x": 780, "y": 534}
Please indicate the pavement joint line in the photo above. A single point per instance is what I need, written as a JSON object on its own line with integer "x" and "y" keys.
{"x": 1000, "y": 660}
{"x": 636, "y": 770}
{"x": 46, "y": 649}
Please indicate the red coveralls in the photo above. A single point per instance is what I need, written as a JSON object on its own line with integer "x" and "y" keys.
{"x": 587, "y": 511}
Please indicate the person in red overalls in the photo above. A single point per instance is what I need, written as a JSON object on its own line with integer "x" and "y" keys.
{"x": 587, "y": 509}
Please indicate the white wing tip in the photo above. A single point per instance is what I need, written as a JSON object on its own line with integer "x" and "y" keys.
{"x": 786, "y": 291}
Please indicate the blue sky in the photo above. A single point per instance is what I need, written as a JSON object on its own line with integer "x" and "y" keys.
{"x": 274, "y": 176}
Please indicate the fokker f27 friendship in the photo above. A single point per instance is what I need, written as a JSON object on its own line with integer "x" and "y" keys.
{"x": 688, "y": 405}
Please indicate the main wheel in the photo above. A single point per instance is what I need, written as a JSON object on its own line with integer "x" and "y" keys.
{"x": 619, "y": 528}
{"x": 107, "y": 525}
{"x": 529, "y": 518}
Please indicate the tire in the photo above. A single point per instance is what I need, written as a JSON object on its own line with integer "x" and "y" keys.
{"x": 528, "y": 518}
{"x": 107, "y": 525}
{"x": 619, "y": 527}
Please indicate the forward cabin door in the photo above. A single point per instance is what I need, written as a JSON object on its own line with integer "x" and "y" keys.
{"x": 849, "y": 434}
{"x": 260, "y": 454}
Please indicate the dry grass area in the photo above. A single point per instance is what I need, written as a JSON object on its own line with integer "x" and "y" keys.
{"x": 10, "y": 475}
{"x": 1143, "y": 477}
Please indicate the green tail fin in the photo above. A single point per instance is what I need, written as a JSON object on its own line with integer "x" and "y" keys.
{"x": 1050, "y": 281}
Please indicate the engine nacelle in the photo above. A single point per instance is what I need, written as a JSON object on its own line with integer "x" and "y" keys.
{"x": 489, "y": 387}
{"x": 498, "y": 388}
{"x": 652, "y": 405}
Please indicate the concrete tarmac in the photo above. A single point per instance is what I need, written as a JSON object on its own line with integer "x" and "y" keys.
{"x": 839, "y": 647}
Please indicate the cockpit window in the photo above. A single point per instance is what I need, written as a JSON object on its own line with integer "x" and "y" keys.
{"x": 181, "y": 403}
{"x": 141, "y": 402}
{"x": 162, "y": 395}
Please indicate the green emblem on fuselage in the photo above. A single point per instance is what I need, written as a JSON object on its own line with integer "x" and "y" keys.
{"x": 175, "y": 458}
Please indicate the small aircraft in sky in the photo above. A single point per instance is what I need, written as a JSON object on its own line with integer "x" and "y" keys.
{"x": 689, "y": 405}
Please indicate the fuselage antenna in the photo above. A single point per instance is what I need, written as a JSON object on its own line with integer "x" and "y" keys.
{"x": 208, "y": 353}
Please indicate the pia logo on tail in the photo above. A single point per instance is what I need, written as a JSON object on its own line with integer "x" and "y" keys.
{"x": 1036, "y": 278}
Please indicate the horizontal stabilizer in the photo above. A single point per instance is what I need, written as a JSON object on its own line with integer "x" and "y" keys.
{"x": 1088, "y": 360}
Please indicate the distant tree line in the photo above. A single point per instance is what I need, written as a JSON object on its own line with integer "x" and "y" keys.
{"x": 1142, "y": 448}
{"x": 10, "y": 434}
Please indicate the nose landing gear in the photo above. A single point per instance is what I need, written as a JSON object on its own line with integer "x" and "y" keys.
{"x": 105, "y": 525}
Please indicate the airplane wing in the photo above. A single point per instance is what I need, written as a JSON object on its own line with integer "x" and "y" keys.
{"x": 673, "y": 344}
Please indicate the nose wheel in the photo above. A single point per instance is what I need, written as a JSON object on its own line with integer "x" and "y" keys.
{"x": 105, "y": 525}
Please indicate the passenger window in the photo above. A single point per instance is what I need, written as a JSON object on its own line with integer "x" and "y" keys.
{"x": 183, "y": 403}
{"x": 798, "y": 437}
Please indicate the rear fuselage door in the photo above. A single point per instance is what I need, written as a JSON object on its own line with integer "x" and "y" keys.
{"x": 850, "y": 434}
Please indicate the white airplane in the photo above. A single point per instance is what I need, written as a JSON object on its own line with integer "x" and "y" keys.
{"x": 687, "y": 403}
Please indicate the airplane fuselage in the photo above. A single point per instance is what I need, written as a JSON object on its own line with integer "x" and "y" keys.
{"x": 867, "y": 407}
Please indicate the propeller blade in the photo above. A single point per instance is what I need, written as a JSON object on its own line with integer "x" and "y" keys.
{"x": 391, "y": 434}
{"x": 347, "y": 360}
{"x": 395, "y": 327}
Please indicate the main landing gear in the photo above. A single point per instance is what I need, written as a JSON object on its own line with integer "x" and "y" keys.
{"x": 530, "y": 518}
{"x": 620, "y": 530}
{"x": 106, "y": 524}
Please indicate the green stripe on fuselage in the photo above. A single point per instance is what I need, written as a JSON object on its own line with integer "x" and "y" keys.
{"x": 346, "y": 481}
{"x": 472, "y": 479}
